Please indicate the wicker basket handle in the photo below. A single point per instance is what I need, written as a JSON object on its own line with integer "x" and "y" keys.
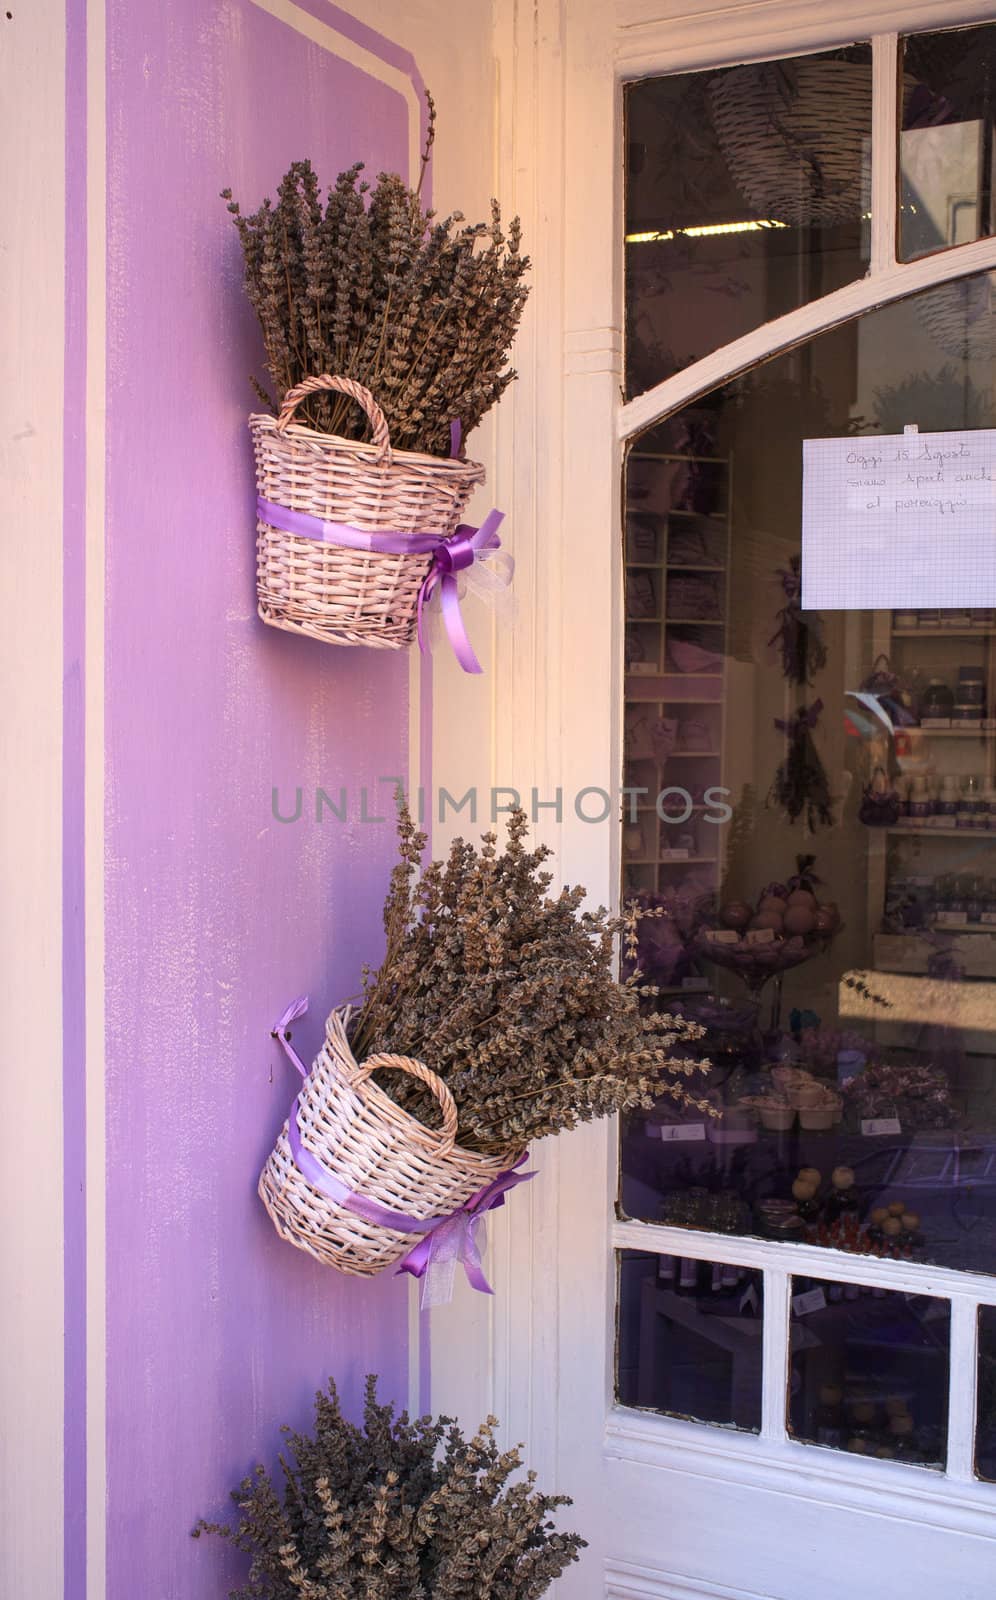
{"x": 380, "y": 438}
{"x": 416, "y": 1069}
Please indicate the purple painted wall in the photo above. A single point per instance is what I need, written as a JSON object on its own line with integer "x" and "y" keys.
{"x": 216, "y": 913}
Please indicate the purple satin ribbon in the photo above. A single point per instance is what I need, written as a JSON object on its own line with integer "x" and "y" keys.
{"x": 450, "y": 555}
{"x": 456, "y": 1231}
{"x": 456, "y": 1235}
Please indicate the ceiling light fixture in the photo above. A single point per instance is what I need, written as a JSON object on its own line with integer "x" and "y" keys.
{"x": 708, "y": 230}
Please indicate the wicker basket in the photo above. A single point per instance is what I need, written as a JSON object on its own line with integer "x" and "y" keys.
{"x": 797, "y": 158}
{"x": 327, "y": 591}
{"x": 959, "y": 316}
{"x": 379, "y": 1152}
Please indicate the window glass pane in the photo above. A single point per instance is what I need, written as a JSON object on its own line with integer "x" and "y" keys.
{"x": 985, "y": 1438}
{"x": 946, "y": 143}
{"x": 870, "y": 1371}
{"x": 825, "y": 883}
{"x": 747, "y": 195}
{"x": 689, "y": 1338}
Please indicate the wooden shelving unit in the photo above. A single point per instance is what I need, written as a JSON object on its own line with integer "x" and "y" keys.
{"x": 931, "y": 849}
{"x": 667, "y": 547}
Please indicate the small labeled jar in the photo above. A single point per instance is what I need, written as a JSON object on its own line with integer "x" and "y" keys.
{"x": 971, "y": 686}
{"x": 937, "y": 702}
{"x": 921, "y": 802}
{"x": 973, "y": 808}
{"x": 949, "y": 798}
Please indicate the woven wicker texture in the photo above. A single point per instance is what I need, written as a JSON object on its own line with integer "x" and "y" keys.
{"x": 325, "y": 590}
{"x": 959, "y": 316}
{"x": 377, "y": 1150}
{"x": 796, "y": 156}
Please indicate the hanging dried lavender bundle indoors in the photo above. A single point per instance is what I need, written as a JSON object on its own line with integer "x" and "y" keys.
{"x": 509, "y": 993}
{"x": 369, "y": 286}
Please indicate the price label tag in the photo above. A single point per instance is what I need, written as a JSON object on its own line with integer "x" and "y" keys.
{"x": 805, "y": 1304}
{"x": 749, "y": 1299}
{"x": 875, "y": 1127}
{"x": 681, "y": 1132}
{"x": 803, "y": 1339}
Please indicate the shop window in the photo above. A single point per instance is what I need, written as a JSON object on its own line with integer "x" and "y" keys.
{"x": 869, "y": 1371}
{"x": 689, "y": 1338}
{"x": 810, "y": 812}
{"x": 946, "y": 140}
{"x": 748, "y": 194}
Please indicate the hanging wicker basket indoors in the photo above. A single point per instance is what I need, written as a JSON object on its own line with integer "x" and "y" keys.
{"x": 377, "y": 1151}
{"x": 961, "y": 316}
{"x": 796, "y": 146}
{"x": 326, "y": 590}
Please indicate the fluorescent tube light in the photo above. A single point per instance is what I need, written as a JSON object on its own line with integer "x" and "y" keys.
{"x": 707, "y": 231}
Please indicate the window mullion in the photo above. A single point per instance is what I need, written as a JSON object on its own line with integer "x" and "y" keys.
{"x": 884, "y": 151}
{"x": 962, "y": 1389}
{"x": 775, "y": 1353}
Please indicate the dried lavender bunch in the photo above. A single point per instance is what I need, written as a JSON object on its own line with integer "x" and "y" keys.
{"x": 370, "y": 286}
{"x": 510, "y": 995}
{"x": 395, "y": 1510}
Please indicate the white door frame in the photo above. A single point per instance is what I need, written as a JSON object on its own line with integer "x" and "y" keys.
{"x": 556, "y": 687}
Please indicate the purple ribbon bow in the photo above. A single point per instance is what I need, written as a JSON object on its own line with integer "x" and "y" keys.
{"x": 450, "y": 554}
{"x": 447, "y": 1239}
{"x": 455, "y": 1237}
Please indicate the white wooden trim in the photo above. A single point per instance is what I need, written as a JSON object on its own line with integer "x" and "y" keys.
{"x": 784, "y": 333}
{"x": 680, "y": 35}
{"x": 825, "y": 1477}
{"x": 807, "y": 1261}
{"x": 963, "y": 1389}
{"x": 624, "y": 1580}
{"x": 32, "y": 293}
{"x": 775, "y": 1349}
{"x": 885, "y": 152}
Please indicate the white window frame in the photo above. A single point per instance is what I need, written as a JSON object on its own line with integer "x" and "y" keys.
{"x": 887, "y": 280}
{"x": 556, "y": 721}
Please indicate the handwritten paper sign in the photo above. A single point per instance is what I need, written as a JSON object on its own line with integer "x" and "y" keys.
{"x": 900, "y": 519}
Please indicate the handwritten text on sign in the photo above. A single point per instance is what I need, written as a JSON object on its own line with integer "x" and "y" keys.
{"x": 903, "y": 519}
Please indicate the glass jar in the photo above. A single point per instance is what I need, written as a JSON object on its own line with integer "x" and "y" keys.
{"x": 972, "y": 804}
{"x": 975, "y": 897}
{"x": 937, "y": 701}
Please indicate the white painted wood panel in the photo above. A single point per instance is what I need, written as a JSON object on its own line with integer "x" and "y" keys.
{"x": 32, "y": 129}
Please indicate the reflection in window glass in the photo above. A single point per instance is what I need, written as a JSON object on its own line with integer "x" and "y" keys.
{"x": 810, "y": 810}
{"x": 747, "y": 195}
{"x": 689, "y": 1340}
{"x": 946, "y": 145}
{"x": 869, "y": 1371}
{"x": 985, "y": 1439}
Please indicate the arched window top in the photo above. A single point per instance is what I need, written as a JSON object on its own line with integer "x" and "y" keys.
{"x": 804, "y": 157}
